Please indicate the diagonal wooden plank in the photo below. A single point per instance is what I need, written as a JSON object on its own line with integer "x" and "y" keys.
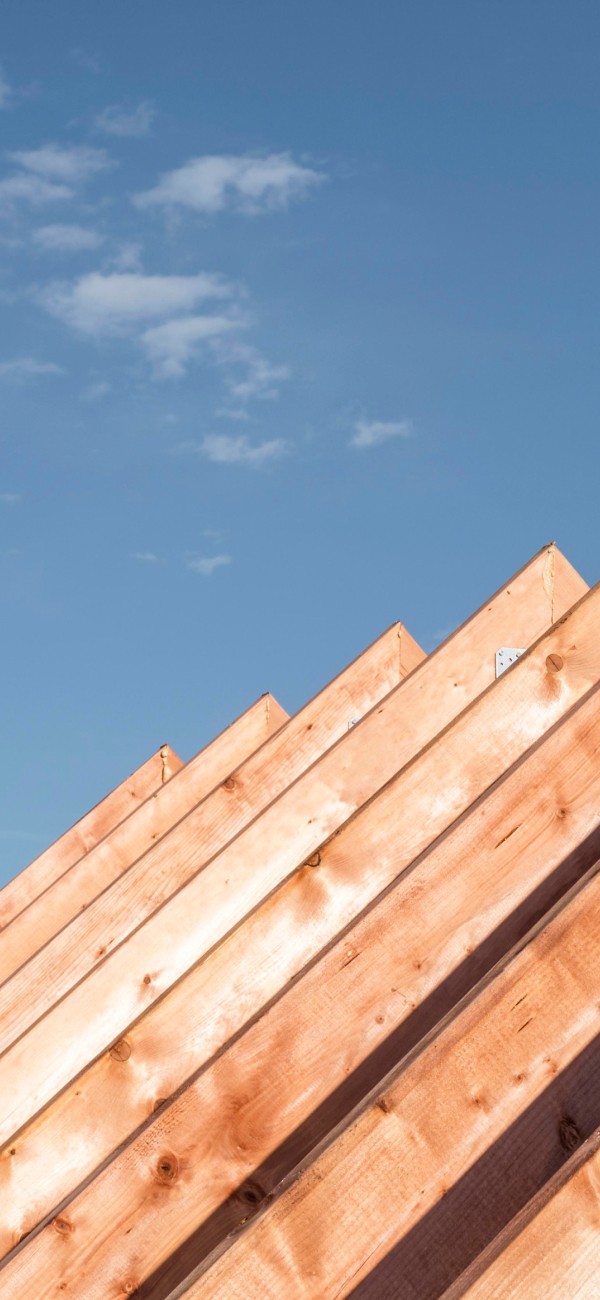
{"x": 337, "y": 1030}
{"x": 551, "y": 1250}
{"x": 457, "y": 1142}
{"x": 528, "y": 699}
{"x": 83, "y": 882}
{"x": 136, "y": 892}
{"x": 80, "y": 838}
{"x": 540, "y": 592}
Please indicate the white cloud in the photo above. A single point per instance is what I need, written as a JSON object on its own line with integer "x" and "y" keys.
{"x": 261, "y": 379}
{"x": 145, "y": 557}
{"x": 245, "y": 183}
{"x": 116, "y": 120}
{"x": 21, "y": 368}
{"x": 171, "y": 346}
{"x": 128, "y": 257}
{"x": 101, "y": 304}
{"x": 56, "y": 162}
{"x": 96, "y": 391}
{"x": 10, "y": 498}
{"x": 5, "y": 91}
{"x": 223, "y": 449}
{"x": 67, "y": 239}
{"x": 206, "y": 565}
{"x": 33, "y": 189}
{"x": 233, "y": 413}
{"x": 370, "y": 433}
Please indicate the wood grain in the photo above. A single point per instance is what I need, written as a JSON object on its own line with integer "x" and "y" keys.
{"x": 569, "y": 640}
{"x": 152, "y": 878}
{"x": 552, "y": 1248}
{"x": 463, "y": 1137}
{"x": 76, "y": 842}
{"x": 289, "y": 832}
{"x": 83, "y": 882}
{"x": 367, "y": 1002}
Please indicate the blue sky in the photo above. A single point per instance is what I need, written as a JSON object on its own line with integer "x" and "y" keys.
{"x": 299, "y": 336}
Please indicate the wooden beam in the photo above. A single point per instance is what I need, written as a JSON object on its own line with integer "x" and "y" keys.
{"x": 76, "y": 842}
{"x": 524, "y": 703}
{"x": 451, "y": 1148}
{"x": 370, "y": 998}
{"x": 136, "y": 892}
{"x": 105, "y": 862}
{"x": 550, "y": 1250}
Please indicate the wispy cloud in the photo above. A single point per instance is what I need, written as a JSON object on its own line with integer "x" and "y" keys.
{"x": 233, "y": 413}
{"x": 96, "y": 391}
{"x": 120, "y": 121}
{"x": 243, "y": 183}
{"x": 73, "y": 164}
{"x": 222, "y": 449}
{"x": 145, "y": 557}
{"x": 370, "y": 433}
{"x": 22, "y": 368}
{"x": 10, "y": 498}
{"x": 89, "y": 62}
{"x": 260, "y": 378}
{"x": 67, "y": 239}
{"x": 173, "y": 345}
{"x": 32, "y": 189}
{"x": 207, "y": 564}
{"x": 101, "y": 304}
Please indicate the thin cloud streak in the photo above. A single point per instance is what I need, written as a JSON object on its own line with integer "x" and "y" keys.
{"x": 371, "y": 433}
{"x": 105, "y": 304}
{"x": 123, "y": 122}
{"x": 67, "y": 239}
{"x": 73, "y": 164}
{"x": 223, "y": 449}
{"x": 242, "y": 183}
{"x": 22, "y": 368}
{"x": 206, "y": 565}
{"x": 173, "y": 345}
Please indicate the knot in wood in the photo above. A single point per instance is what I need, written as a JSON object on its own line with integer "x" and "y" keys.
{"x": 63, "y": 1225}
{"x": 569, "y": 1135}
{"x": 229, "y": 784}
{"x": 554, "y": 663}
{"x": 251, "y": 1194}
{"x": 315, "y": 861}
{"x": 121, "y": 1050}
{"x": 167, "y": 1168}
{"x": 147, "y": 979}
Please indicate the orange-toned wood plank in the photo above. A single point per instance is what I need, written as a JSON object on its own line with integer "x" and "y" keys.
{"x": 536, "y": 595}
{"x": 76, "y": 842}
{"x": 83, "y": 882}
{"x": 551, "y": 1250}
{"x": 452, "y": 1147}
{"x": 335, "y": 1033}
{"x": 138, "y": 891}
{"x": 525, "y": 702}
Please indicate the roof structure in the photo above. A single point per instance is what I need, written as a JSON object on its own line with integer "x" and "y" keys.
{"x": 317, "y": 1013}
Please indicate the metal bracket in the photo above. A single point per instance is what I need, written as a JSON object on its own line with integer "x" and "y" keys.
{"x": 352, "y": 722}
{"x": 507, "y": 655}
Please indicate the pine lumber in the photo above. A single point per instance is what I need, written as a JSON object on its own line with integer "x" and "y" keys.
{"x": 552, "y": 1248}
{"x": 331, "y": 1037}
{"x": 441, "y": 1159}
{"x": 129, "y": 979}
{"x": 76, "y": 842}
{"x": 152, "y": 878}
{"x": 83, "y": 882}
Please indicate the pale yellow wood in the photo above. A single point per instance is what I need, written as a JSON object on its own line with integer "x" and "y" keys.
{"x": 83, "y": 882}
{"x": 138, "y": 891}
{"x": 76, "y": 842}
{"x": 323, "y": 1045}
{"x": 552, "y": 1249}
{"x": 413, "y": 1181}
{"x": 524, "y": 703}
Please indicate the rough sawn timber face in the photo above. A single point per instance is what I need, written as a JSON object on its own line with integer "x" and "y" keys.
{"x": 120, "y": 847}
{"x": 150, "y": 879}
{"x": 288, "y": 833}
{"x": 77, "y": 842}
